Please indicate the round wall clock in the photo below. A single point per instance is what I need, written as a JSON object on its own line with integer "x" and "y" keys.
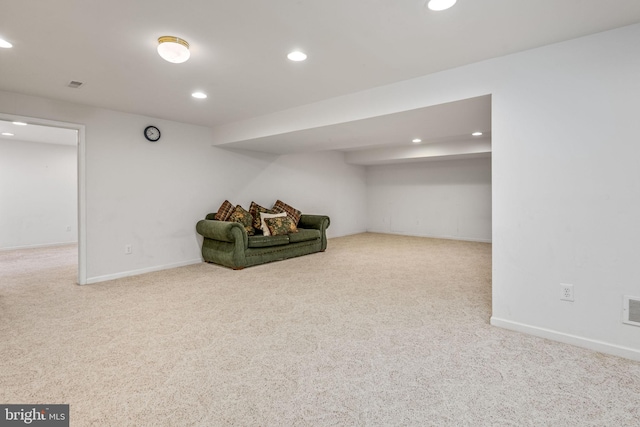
{"x": 152, "y": 133}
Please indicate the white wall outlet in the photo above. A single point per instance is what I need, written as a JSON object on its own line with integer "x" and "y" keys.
{"x": 68, "y": 228}
{"x": 128, "y": 250}
{"x": 566, "y": 292}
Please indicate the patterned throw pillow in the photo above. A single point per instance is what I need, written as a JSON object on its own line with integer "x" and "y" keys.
{"x": 264, "y": 216}
{"x": 243, "y": 217}
{"x": 280, "y": 225}
{"x": 292, "y": 212}
{"x": 255, "y": 210}
{"x": 225, "y": 211}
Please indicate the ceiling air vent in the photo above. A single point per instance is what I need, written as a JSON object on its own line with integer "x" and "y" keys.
{"x": 74, "y": 84}
{"x": 631, "y": 310}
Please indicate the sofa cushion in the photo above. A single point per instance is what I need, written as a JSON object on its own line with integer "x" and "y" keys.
{"x": 304, "y": 234}
{"x": 292, "y": 212}
{"x": 242, "y": 216}
{"x": 266, "y": 241}
{"x": 255, "y": 210}
{"x": 280, "y": 225}
{"x": 263, "y": 215}
{"x": 225, "y": 211}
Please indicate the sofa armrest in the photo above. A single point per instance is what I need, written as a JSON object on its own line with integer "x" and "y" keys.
{"x": 232, "y": 232}
{"x": 317, "y": 222}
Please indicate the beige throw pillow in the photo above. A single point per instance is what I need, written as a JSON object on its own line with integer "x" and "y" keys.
{"x": 263, "y": 215}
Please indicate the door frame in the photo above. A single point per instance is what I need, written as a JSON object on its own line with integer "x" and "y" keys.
{"x": 81, "y": 169}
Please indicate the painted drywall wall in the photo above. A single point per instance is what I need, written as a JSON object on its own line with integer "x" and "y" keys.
{"x": 150, "y": 195}
{"x": 318, "y": 183}
{"x": 565, "y": 177}
{"x": 38, "y": 194}
{"x": 445, "y": 199}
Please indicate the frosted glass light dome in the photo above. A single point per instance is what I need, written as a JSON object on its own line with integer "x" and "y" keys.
{"x": 438, "y": 5}
{"x": 173, "y": 49}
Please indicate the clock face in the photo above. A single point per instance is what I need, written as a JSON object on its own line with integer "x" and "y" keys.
{"x": 152, "y": 133}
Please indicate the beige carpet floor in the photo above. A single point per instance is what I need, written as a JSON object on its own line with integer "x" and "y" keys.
{"x": 379, "y": 330}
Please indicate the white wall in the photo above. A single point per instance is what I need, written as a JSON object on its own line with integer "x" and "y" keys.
{"x": 151, "y": 195}
{"x": 318, "y": 183}
{"x": 38, "y": 194}
{"x": 565, "y": 177}
{"x": 446, "y": 199}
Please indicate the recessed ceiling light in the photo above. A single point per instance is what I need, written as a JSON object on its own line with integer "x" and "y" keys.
{"x": 416, "y": 141}
{"x": 5, "y": 44}
{"x": 439, "y": 5}
{"x": 7, "y": 134}
{"x": 297, "y": 56}
{"x": 19, "y": 123}
{"x": 199, "y": 95}
{"x": 477, "y": 134}
{"x": 173, "y": 49}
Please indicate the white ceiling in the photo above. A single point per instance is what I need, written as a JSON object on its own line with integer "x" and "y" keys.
{"x": 239, "y": 48}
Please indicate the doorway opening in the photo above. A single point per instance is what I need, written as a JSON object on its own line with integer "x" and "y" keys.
{"x": 43, "y": 186}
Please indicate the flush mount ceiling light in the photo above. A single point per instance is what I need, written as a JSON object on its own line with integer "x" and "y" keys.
{"x": 5, "y": 44}
{"x": 477, "y": 134}
{"x": 439, "y": 5}
{"x": 7, "y": 134}
{"x": 416, "y": 141}
{"x": 297, "y": 56}
{"x": 199, "y": 95}
{"x": 173, "y": 49}
{"x": 19, "y": 123}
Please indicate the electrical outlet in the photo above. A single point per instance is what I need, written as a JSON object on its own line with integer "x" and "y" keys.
{"x": 566, "y": 292}
{"x": 128, "y": 250}
{"x": 68, "y": 228}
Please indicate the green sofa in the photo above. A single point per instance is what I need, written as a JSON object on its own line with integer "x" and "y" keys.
{"x": 228, "y": 244}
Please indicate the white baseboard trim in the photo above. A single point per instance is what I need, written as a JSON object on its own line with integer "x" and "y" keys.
{"x": 595, "y": 345}
{"x": 92, "y": 280}
{"x": 430, "y": 236}
{"x": 40, "y": 245}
